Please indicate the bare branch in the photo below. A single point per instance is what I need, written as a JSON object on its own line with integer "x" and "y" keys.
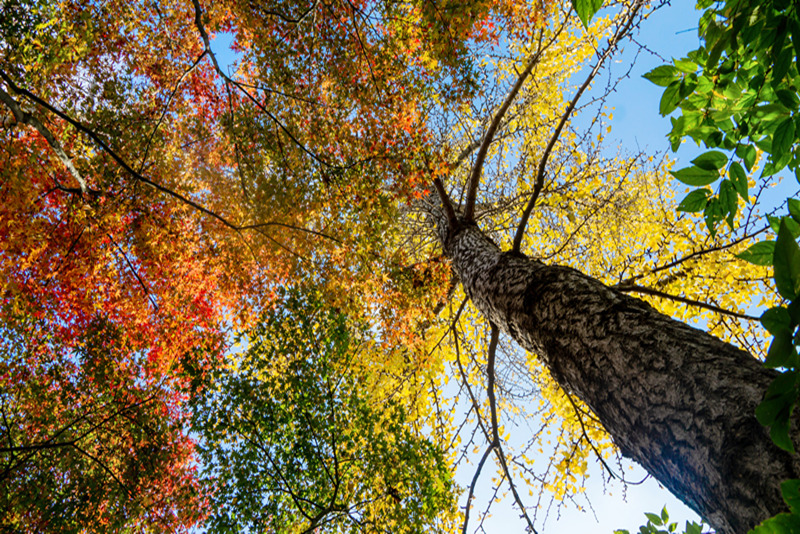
{"x": 498, "y": 449}
{"x": 135, "y": 273}
{"x": 472, "y": 486}
{"x": 594, "y": 448}
{"x": 629, "y": 281}
{"x": 633, "y": 288}
{"x": 166, "y": 107}
{"x": 141, "y": 178}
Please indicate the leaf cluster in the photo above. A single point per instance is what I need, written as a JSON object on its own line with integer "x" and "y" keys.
{"x": 295, "y": 437}
{"x": 660, "y": 524}
{"x": 737, "y": 93}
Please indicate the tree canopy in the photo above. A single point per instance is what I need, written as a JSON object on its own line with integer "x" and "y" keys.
{"x": 230, "y": 299}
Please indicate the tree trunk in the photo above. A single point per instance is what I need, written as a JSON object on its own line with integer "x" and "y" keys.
{"x": 675, "y": 399}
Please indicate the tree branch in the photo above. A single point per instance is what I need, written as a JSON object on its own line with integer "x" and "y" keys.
{"x": 94, "y": 136}
{"x": 540, "y": 171}
{"x": 498, "y": 449}
{"x": 629, "y": 281}
{"x": 474, "y": 179}
{"x": 452, "y": 219}
{"x": 135, "y": 273}
{"x": 594, "y": 449}
{"x": 198, "y": 19}
{"x": 633, "y": 288}
{"x": 166, "y": 107}
{"x": 26, "y": 118}
{"x": 472, "y": 486}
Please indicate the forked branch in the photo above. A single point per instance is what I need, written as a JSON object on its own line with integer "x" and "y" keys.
{"x": 623, "y": 32}
{"x": 474, "y": 178}
{"x": 498, "y": 448}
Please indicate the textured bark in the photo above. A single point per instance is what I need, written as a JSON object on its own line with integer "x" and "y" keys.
{"x": 675, "y": 399}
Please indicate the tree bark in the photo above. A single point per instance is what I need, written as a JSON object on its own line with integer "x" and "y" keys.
{"x": 675, "y": 399}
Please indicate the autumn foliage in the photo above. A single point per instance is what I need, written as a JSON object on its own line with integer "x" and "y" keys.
{"x": 167, "y": 167}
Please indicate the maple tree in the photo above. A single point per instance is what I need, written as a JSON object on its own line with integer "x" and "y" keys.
{"x": 156, "y": 194}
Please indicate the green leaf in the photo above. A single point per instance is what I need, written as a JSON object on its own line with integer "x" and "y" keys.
{"x": 781, "y": 351}
{"x": 705, "y": 85}
{"x": 653, "y": 518}
{"x": 748, "y": 155}
{"x": 696, "y": 176}
{"x": 729, "y": 200}
{"x": 712, "y": 215}
{"x": 779, "y": 432}
{"x": 684, "y": 65}
{"x": 586, "y": 9}
{"x": 794, "y": 209}
{"x": 794, "y": 26}
{"x": 664, "y": 515}
{"x": 759, "y": 253}
{"x": 663, "y": 75}
{"x": 715, "y": 52}
{"x": 711, "y": 161}
{"x": 696, "y": 201}
{"x": 775, "y": 224}
{"x": 780, "y": 524}
{"x": 777, "y": 320}
{"x": 767, "y": 412}
{"x": 670, "y": 98}
{"x": 783, "y": 138}
{"x": 791, "y": 494}
{"x": 787, "y": 262}
{"x": 739, "y": 180}
{"x": 778, "y": 400}
{"x": 770, "y": 112}
{"x": 686, "y": 88}
{"x": 788, "y": 98}
{"x": 783, "y": 62}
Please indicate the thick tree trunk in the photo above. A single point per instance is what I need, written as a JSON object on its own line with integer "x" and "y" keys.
{"x": 675, "y": 399}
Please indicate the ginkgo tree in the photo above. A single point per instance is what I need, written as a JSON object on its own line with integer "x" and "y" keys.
{"x": 413, "y": 170}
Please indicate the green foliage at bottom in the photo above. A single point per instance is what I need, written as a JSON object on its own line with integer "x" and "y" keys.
{"x": 784, "y": 523}
{"x": 660, "y": 524}
{"x": 296, "y": 435}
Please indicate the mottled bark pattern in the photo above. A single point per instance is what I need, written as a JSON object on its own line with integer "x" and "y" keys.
{"x": 675, "y": 399}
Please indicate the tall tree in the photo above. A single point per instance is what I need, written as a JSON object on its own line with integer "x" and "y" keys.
{"x": 156, "y": 193}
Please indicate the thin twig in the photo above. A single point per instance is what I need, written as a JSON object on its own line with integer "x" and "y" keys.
{"x": 135, "y": 273}
{"x": 594, "y": 448}
{"x": 166, "y": 108}
{"x": 472, "y": 486}
{"x": 498, "y": 449}
{"x": 198, "y": 19}
{"x": 678, "y": 261}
